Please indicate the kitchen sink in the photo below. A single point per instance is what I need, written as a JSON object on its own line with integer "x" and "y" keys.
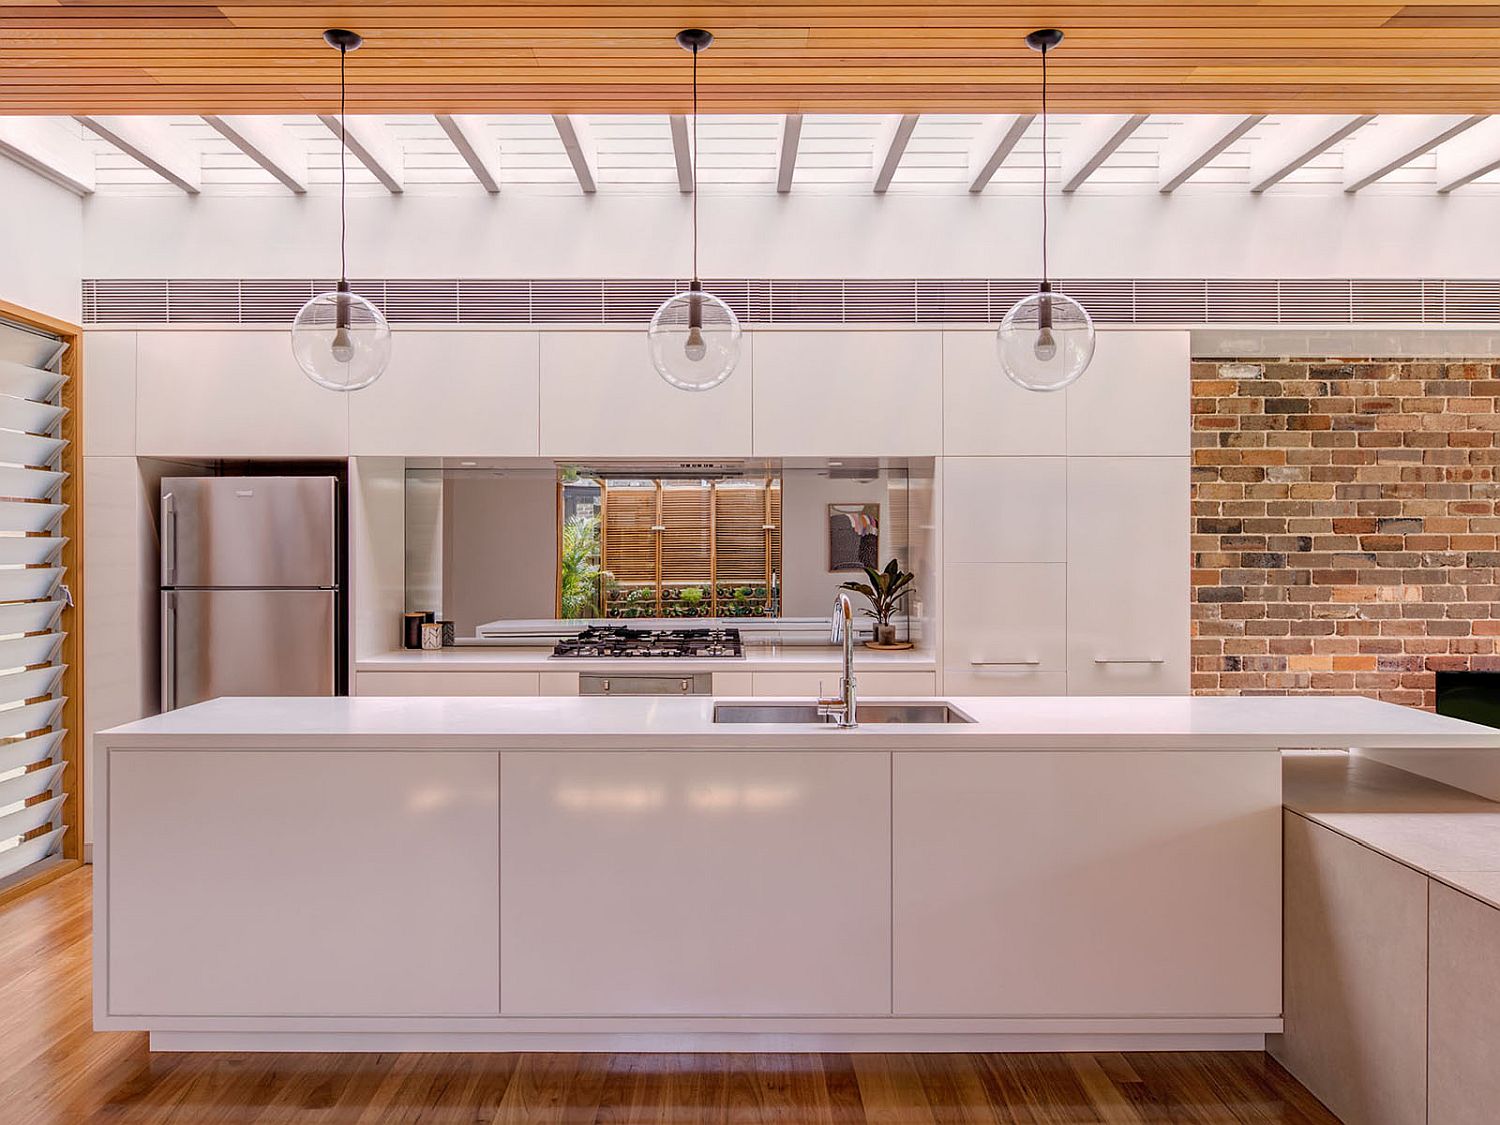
{"x": 869, "y": 713}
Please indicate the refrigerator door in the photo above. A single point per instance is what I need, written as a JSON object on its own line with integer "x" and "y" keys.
{"x": 247, "y": 642}
{"x": 249, "y": 531}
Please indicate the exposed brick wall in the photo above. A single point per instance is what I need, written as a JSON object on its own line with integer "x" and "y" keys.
{"x": 1345, "y": 527}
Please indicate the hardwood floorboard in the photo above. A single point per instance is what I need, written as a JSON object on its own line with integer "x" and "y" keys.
{"x": 56, "y": 1070}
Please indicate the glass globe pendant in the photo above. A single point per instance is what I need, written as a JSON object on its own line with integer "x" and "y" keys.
{"x": 340, "y": 340}
{"x": 1046, "y": 340}
{"x": 694, "y": 336}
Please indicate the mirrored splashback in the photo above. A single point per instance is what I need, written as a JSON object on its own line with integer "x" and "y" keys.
{"x": 519, "y": 550}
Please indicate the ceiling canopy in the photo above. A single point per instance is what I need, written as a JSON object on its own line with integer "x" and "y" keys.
{"x": 1302, "y": 56}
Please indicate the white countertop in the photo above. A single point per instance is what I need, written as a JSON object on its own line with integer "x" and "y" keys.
{"x": 1016, "y": 723}
{"x": 757, "y": 658}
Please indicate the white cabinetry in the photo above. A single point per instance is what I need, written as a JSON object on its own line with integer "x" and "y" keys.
{"x": 1005, "y": 509}
{"x": 1128, "y": 575}
{"x": 985, "y": 413}
{"x": 600, "y": 397}
{"x": 877, "y": 394}
{"x": 695, "y": 883}
{"x": 1005, "y": 629}
{"x": 307, "y": 883}
{"x": 451, "y": 394}
{"x": 1135, "y": 397}
{"x": 1104, "y": 884}
{"x": 232, "y": 394}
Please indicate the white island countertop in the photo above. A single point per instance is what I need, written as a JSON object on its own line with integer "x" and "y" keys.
{"x": 1011, "y": 723}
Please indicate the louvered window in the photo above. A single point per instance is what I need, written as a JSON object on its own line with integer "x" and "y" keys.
{"x": 33, "y": 595}
{"x": 674, "y": 548}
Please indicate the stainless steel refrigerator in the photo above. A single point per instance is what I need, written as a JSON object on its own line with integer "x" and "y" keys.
{"x": 251, "y": 598}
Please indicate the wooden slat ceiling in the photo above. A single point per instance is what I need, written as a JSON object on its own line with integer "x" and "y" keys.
{"x": 1220, "y": 56}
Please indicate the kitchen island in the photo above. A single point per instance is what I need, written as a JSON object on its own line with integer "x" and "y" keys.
{"x": 546, "y": 873}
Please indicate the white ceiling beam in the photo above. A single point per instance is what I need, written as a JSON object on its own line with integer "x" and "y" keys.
{"x": 373, "y": 146}
{"x": 1464, "y": 160}
{"x": 1396, "y": 141}
{"x": 1295, "y": 141}
{"x": 890, "y": 147}
{"x": 264, "y": 141}
{"x": 996, "y": 141}
{"x": 786, "y": 159}
{"x": 1094, "y": 145}
{"x": 1198, "y": 142}
{"x": 467, "y": 135}
{"x": 574, "y": 134}
{"x": 152, "y": 142}
{"x": 41, "y": 145}
{"x": 682, "y": 152}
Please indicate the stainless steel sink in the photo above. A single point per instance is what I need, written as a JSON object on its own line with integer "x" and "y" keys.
{"x": 872, "y": 713}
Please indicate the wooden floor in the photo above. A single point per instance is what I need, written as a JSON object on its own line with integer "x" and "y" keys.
{"x": 53, "y": 1068}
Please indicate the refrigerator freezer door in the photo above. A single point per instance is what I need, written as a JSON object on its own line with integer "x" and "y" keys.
{"x": 249, "y": 531}
{"x": 246, "y": 642}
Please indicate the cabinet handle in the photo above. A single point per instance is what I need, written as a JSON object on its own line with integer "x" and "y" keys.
{"x": 1128, "y": 660}
{"x": 1003, "y": 663}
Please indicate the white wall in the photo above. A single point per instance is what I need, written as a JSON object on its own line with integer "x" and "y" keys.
{"x": 41, "y": 247}
{"x": 1210, "y": 234}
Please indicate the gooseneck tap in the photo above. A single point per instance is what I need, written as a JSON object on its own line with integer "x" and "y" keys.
{"x": 843, "y": 708}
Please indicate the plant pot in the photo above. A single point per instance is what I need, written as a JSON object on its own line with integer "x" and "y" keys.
{"x": 885, "y": 634}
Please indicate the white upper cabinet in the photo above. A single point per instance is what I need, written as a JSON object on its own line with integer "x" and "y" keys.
{"x": 1134, "y": 398}
{"x": 601, "y": 397}
{"x": 854, "y": 393}
{"x": 109, "y": 384}
{"x": 232, "y": 394}
{"x": 1128, "y": 575}
{"x": 451, "y": 394}
{"x": 985, "y": 413}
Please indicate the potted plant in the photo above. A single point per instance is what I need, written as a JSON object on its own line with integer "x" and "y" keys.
{"x": 886, "y": 591}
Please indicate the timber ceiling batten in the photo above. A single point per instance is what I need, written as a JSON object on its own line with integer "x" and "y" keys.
{"x": 63, "y": 57}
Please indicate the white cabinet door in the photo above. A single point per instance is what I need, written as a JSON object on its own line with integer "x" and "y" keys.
{"x": 109, "y": 422}
{"x": 418, "y": 682}
{"x": 985, "y": 413}
{"x": 451, "y": 394}
{"x": 303, "y": 883}
{"x": 695, "y": 883}
{"x": 602, "y": 398}
{"x": 1134, "y": 398}
{"x": 1005, "y": 509}
{"x": 1005, "y": 629}
{"x": 820, "y": 393}
{"x": 1107, "y": 884}
{"x": 812, "y": 684}
{"x": 236, "y": 393}
{"x": 1129, "y": 544}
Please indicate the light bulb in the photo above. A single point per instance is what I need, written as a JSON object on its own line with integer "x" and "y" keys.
{"x": 695, "y": 348}
{"x": 342, "y": 346}
{"x": 1045, "y": 348}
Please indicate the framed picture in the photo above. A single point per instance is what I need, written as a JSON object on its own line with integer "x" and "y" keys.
{"x": 853, "y": 536}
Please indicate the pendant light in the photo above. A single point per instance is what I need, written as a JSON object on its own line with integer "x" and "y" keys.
{"x": 1046, "y": 340}
{"x": 341, "y": 341}
{"x": 694, "y": 336}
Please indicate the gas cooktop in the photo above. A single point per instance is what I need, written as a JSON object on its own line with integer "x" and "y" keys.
{"x": 610, "y": 641}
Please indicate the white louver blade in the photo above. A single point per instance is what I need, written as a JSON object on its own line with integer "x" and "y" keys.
{"x": 29, "y": 584}
{"x": 29, "y": 417}
{"x": 19, "y": 652}
{"x": 31, "y": 851}
{"x": 34, "y": 716}
{"x": 20, "y": 381}
{"x": 29, "y": 785}
{"x": 29, "y": 617}
{"x": 30, "y": 484}
{"x": 29, "y": 550}
{"x": 29, "y": 517}
{"x": 31, "y": 684}
{"x": 29, "y": 751}
{"x": 29, "y": 819}
{"x": 29, "y": 449}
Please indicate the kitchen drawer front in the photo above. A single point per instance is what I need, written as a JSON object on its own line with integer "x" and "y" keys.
{"x": 808, "y": 684}
{"x": 1005, "y": 509}
{"x": 449, "y": 683}
{"x": 1129, "y": 590}
{"x": 1005, "y": 629}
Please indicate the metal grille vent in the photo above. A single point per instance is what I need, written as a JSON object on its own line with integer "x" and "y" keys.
{"x": 803, "y": 300}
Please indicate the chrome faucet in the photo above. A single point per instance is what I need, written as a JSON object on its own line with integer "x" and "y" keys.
{"x": 843, "y": 708}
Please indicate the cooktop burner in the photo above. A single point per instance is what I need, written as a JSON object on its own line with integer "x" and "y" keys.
{"x": 600, "y": 641}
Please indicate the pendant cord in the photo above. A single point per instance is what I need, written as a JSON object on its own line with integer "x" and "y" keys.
{"x": 344, "y": 168}
{"x": 1044, "y": 166}
{"x": 693, "y": 157}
